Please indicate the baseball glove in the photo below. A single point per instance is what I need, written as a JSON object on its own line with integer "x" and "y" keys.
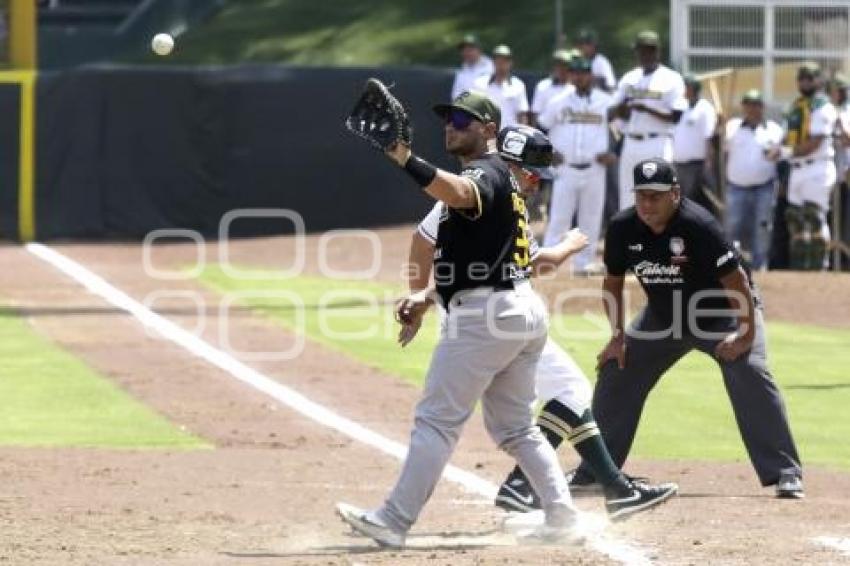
{"x": 379, "y": 118}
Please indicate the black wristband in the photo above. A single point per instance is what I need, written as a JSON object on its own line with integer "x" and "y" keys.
{"x": 421, "y": 171}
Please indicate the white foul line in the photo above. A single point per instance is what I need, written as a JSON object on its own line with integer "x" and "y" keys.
{"x": 472, "y": 483}
{"x": 842, "y": 545}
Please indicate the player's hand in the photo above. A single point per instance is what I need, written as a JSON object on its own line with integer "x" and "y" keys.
{"x": 574, "y": 241}
{"x": 773, "y": 153}
{"x": 557, "y": 158}
{"x": 409, "y": 331}
{"x": 399, "y": 153}
{"x": 614, "y": 350}
{"x": 733, "y": 346}
{"x": 606, "y": 158}
{"x": 408, "y": 309}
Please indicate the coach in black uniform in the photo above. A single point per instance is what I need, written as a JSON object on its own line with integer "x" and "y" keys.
{"x": 678, "y": 253}
{"x": 494, "y": 330}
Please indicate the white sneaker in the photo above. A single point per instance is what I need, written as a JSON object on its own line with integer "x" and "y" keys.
{"x": 559, "y": 527}
{"x": 367, "y": 523}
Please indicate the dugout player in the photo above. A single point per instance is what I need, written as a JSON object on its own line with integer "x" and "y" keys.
{"x": 679, "y": 255}
{"x": 651, "y": 98}
{"x": 492, "y": 336}
{"x": 560, "y": 383}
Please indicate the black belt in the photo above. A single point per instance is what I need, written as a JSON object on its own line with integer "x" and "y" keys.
{"x": 579, "y": 165}
{"x": 799, "y": 164}
{"x": 653, "y": 135}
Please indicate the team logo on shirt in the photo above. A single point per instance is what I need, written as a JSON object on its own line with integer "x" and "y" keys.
{"x": 514, "y": 143}
{"x": 677, "y": 247}
{"x": 649, "y": 169}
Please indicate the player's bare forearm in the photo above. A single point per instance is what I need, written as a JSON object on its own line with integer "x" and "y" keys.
{"x": 612, "y": 288}
{"x": 550, "y": 258}
{"x": 419, "y": 263}
{"x": 454, "y": 190}
{"x": 807, "y": 147}
{"x": 741, "y": 301}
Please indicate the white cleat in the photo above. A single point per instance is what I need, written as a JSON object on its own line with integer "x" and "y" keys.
{"x": 366, "y": 523}
{"x": 533, "y": 528}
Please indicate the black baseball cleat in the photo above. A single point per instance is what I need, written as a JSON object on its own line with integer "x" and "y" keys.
{"x": 789, "y": 486}
{"x": 643, "y": 496}
{"x": 516, "y": 494}
{"x": 581, "y": 482}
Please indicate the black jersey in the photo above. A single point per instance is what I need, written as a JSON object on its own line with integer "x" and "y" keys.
{"x": 486, "y": 246}
{"x": 682, "y": 266}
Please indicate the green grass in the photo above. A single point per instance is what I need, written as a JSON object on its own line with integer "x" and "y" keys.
{"x": 687, "y": 416}
{"x": 405, "y": 32}
{"x": 51, "y": 398}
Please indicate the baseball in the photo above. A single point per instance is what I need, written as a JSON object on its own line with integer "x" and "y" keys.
{"x": 162, "y": 44}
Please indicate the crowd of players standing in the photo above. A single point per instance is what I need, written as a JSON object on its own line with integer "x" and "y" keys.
{"x": 779, "y": 178}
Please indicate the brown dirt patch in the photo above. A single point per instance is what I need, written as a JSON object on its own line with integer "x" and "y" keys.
{"x": 265, "y": 494}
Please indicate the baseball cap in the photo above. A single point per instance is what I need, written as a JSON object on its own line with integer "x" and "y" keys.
{"x": 562, "y": 56}
{"x": 477, "y": 104}
{"x": 647, "y": 38}
{"x": 654, "y": 174}
{"x": 587, "y": 35}
{"x": 528, "y": 147}
{"x": 840, "y": 80}
{"x": 502, "y": 51}
{"x": 691, "y": 80}
{"x": 469, "y": 39}
{"x": 580, "y": 64}
{"x": 808, "y": 69}
{"x": 753, "y": 95}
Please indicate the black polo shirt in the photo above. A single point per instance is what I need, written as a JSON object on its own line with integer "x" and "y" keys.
{"x": 487, "y": 246}
{"x": 675, "y": 267}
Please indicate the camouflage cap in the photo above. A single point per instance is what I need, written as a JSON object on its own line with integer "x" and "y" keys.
{"x": 581, "y": 65}
{"x": 562, "y": 56}
{"x": 469, "y": 39}
{"x": 587, "y": 35}
{"x": 647, "y": 38}
{"x": 752, "y": 96}
{"x": 808, "y": 69}
{"x": 502, "y": 51}
{"x": 477, "y": 104}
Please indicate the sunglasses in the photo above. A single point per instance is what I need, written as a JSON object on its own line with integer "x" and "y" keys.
{"x": 459, "y": 119}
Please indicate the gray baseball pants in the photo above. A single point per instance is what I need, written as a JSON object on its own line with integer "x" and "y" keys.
{"x": 489, "y": 348}
{"x": 756, "y": 401}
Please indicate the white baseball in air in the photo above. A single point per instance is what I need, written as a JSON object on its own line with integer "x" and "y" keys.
{"x": 162, "y": 44}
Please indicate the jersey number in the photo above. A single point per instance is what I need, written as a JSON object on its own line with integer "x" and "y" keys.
{"x": 521, "y": 250}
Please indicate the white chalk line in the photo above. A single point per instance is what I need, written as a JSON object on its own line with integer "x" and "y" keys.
{"x": 840, "y": 544}
{"x": 614, "y": 549}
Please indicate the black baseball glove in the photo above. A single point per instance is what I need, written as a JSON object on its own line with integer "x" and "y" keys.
{"x": 379, "y": 118}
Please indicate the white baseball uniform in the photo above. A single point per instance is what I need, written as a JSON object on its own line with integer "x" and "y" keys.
{"x": 509, "y": 95}
{"x": 578, "y": 128}
{"x": 813, "y": 176}
{"x": 647, "y": 136}
{"x": 557, "y": 376}
{"x": 544, "y": 91}
{"x": 601, "y": 68}
{"x": 465, "y": 76}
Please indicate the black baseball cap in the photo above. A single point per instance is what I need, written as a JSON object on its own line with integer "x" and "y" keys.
{"x": 654, "y": 174}
{"x": 528, "y": 147}
{"x": 477, "y": 104}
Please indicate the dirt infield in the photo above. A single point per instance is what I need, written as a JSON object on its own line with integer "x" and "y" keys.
{"x": 265, "y": 494}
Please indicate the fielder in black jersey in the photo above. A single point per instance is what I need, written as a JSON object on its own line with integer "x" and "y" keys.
{"x": 494, "y": 331}
{"x": 699, "y": 297}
